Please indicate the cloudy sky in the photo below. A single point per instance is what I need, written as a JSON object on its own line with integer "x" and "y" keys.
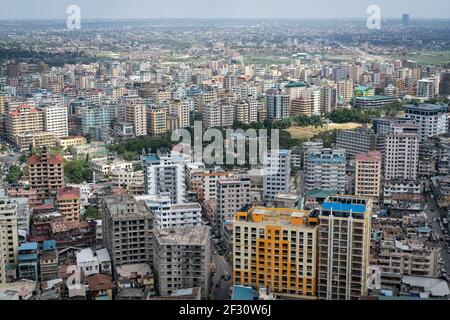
{"x": 113, "y": 9}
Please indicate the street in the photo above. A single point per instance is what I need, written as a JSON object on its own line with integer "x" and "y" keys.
{"x": 432, "y": 212}
{"x": 223, "y": 267}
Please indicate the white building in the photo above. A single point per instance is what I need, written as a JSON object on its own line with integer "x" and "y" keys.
{"x": 431, "y": 119}
{"x": 87, "y": 262}
{"x": 56, "y": 120}
{"x": 9, "y": 241}
{"x": 426, "y": 89}
{"x": 164, "y": 172}
{"x": 168, "y": 215}
{"x": 277, "y": 173}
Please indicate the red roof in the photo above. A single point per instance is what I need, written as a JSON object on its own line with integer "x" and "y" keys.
{"x": 34, "y": 159}
{"x": 58, "y": 159}
{"x": 68, "y": 193}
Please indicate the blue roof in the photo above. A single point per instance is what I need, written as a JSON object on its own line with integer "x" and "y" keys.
{"x": 49, "y": 245}
{"x": 151, "y": 158}
{"x": 28, "y": 246}
{"x": 242, "y": 293}
{"x": 335, "y": 206}
{"x": 27, "y": 257}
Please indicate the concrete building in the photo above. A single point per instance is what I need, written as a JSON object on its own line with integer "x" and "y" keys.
{"x": 278, "y": 105}
{"x": 182, "y": 259}
{"x": 368, "y": 174}
{"x": 276, "y": 248}
{"x": 277, "y": 173}
{"x": 408, "y": 257}
{"x": 68, "y": 203}
{"x": 168, "y": 215}
{"x": 356, "y": 141}
{"x": 431, "y": 119}
{"x": 136, "y": 114}
{"x": 325, "y": 169}
{"x": 232, "y": 195}
{"x": 127, "y": 230}
{"x": 94, "y": 116}
{"x": 164, "y": 172}
{"x": 46, "y": 173}
{"x": 180, "y": 110}
{"x": 25, "y": 119}
{"x": 9, "y": 240}
{"x": 157, "y": 121}
{"x": 401, "y": 156}
{"x": 426, "y": 88}
{"x": 56, "y": 120}
{"x": 344, "y": 245}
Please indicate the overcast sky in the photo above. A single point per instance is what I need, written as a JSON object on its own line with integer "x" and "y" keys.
{"x": 113, "y": 9}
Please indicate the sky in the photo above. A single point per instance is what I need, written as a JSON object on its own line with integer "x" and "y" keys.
{"x": 146, "y": 9}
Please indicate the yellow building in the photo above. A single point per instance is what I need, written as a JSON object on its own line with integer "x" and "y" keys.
{"x": 276, "y": 248}
{"x": 67, "y": 142}
{"x": 157, "y": 121}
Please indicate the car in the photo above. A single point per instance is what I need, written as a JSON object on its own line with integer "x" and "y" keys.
{"x": 220, "y": 253}
{"x": 214, "y": 252}
{"x": 227, "y": 277}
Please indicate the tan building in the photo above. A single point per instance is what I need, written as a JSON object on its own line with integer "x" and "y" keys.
{"x": 9, "y": 241}
{"x": 35, "y": 139}
{"x": 46, "y": 173}
{"x": 25, "y": 119}
{"x": 67, "y": 142}
{"x": 368, "y": 174}
{"x": 157, "y": 122}
{"x": 344, "y": 247}
{"x": 180, "y": 110}
{"x": 136, "y": 114}
{"x": 276, "y": 248}
{"x": 68, "y": 203}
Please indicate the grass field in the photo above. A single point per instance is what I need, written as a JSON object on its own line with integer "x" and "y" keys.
{"x": 309, "y": 132}
{"x": 435, "y": 58}
{"x": 265, "y": 60}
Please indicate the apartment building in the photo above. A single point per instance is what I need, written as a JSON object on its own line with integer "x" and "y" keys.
{"x": 356, "y": 141}
{"x": 164, "y": 172}
{"x": 127, "y": 230}
{"x": 401, "y": 156}
{"x": 9, "y": 240}
{"x": 344, "y": 245}
{"x": 277, "y": 173}
{"x": 325, "y": 169}
{"x": 136, "y": 114}
{"x": 276, "y": 248}
{"x": 232, "y": 195}
{"x": 24, "y": 119}
{"x": 35, "y": 140}
{"x": 278, "y": 105}
{"x": 68, "y": 203}
{"x": 182, "y": 259}
{"x": 407, "y": 257}
{"x": 56, "y": 120}
{"x": 431, "y": 119}
{"x": 368, "y": 174}
{"x": 157, "y": 121}
{"x": 181, "y": 111}
{"x": 46, "y": 173}
{"x": 168, "y": 215}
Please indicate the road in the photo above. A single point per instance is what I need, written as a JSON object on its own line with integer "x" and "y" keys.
{"x": 432, "y": 212}
{"x": 221, "y": 292}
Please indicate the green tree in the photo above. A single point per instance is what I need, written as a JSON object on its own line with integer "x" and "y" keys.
{"x": 92, "y": 213}
{"x": 14, "y": 174}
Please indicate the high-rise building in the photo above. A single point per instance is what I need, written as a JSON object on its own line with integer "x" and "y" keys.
{"x": 277, "y": 175}
{"x": 232, "y": 195}
{"x": 68, "y": 203}
{"x": 24, "y": 119}
{"x": 276, "y": 248}
{"x": 136, "y": 114}
{"x": 344, "y": 91}
{"x": 356, "y": 141}
{"x": 426, "y": 88}
{"x": 431, "y": 119}
{"x": 164, "y": 173}
{"x": 182, "y": 259}
{"x": 278, "y": 105}
{"x": 168, "y": 215}
{"x": 368, "y": 174}
{"x": 127, "y": 230}
{"x": 9, "y": 240}
{"x": 46, "y": 173}
{"x": 325, "y": 169}
{"x": 344, "y": 247}
{"x": 157, "y": 121}
{"x": 405, "y": 20}
{"x": 180, "y": 110}
{"x": 96, "y": 117}
{"x": 444, "y": 85}
{"x": 55, "y": 120}
{"x": 401, "y": 152}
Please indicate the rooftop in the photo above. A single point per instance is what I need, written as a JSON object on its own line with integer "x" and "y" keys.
{"x": 197, "y": 235}
{"x": 335, "y": 206}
